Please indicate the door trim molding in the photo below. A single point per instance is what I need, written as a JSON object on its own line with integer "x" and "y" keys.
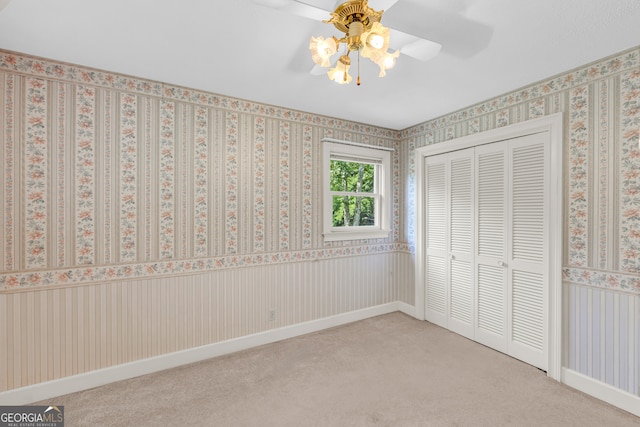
{"x": 553, "y": 124}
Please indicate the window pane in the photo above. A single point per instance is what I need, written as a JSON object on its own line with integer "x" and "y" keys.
{"x": 352, "y": 176}
{"x": 353, "y": 211}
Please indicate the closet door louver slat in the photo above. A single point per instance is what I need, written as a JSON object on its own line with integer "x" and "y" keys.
{"x": 436, "y": 289}
{"x": 461, "y": 205}
{"x": 491, "y": 304}
{"x": 461, "y": 300}
{"x": 436, "y": 209}
{"x": 436, "y": 279}
{"x": 527, "y": 309}
{"x": 528, "y": 270}
{"x": 491, "y": 204}
{"x": 491, "y": 309}
{"x": 461, "y": 230}
{"x": 528, "y": 203}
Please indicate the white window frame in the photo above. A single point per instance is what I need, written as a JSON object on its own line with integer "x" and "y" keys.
{"x": 381, "y": 158}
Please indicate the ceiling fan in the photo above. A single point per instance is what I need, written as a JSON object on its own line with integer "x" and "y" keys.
{"x": 363, "y": 33}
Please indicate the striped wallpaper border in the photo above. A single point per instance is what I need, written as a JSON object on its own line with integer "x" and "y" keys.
{"x": 602, "y": 279}
{"x": 581, "y": 76}
{"x": 32, "y": 280}
{"x": 37, "y": 67}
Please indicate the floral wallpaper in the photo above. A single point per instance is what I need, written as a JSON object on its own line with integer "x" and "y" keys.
{"x": 601, "y": 105}
{"x": 36, "y": 172}
{"x": 630, "y": 172}
{"x": 578, "y": 171}
{"x": 109, "y": 176}
{"x": 127, "y": 178}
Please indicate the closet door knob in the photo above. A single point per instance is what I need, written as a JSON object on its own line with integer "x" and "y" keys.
{"x": 452, "y": 256}
{"x": 502, "y": 263}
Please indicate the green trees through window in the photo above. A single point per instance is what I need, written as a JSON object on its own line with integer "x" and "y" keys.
{"x": 352, "y": 186}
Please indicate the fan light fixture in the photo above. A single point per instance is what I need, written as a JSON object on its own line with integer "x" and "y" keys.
{"x": 363, "y": 33}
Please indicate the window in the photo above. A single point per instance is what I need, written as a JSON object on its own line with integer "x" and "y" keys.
{"x": 357, "y": 190}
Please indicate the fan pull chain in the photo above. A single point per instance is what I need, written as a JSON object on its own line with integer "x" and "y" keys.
{"x": 358, "y": 81}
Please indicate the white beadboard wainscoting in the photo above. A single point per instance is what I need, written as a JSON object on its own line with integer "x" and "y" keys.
{"x": 67, "y": 333}
{"x": 602, "y": 338}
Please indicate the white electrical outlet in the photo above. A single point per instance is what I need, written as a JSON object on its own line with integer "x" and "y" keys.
{"x": 272, "y": 315}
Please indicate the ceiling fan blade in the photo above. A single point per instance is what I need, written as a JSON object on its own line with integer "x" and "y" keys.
{"x": 318, "y": 70}
{"x": 382, "y": 4}
{"x": 421, "y": 49}
{"x": 460, "y": 36}
{"x": 413, "y": 46}
{"x": 296, "y": 8}
{"x": 3, "y": 3}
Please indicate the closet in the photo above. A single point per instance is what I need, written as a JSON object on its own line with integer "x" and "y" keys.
{"x": 486, "y": 244}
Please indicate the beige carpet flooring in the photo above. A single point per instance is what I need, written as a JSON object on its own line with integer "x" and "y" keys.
{"x": 390, "y": 370}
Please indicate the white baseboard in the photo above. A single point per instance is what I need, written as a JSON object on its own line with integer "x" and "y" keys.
{"x": 407, "y": 309}
{"x": 602, "y": 391}
{"x": 85, "y": 381}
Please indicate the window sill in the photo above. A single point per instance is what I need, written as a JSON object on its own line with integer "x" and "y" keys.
{"x": 335, "y": 236}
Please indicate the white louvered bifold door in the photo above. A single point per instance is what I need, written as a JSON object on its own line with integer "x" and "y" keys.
{"x": 512, "y": 192}
{"x": 527, "y": 265}
{"x": 491, "y": 251}
{"x": 487, "y": 245}
{"x": 450, "y": 284}
{"x": 461, "y": 246}
{"x": 437, "y": 234}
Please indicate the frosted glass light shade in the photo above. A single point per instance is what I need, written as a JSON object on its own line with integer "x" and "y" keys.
{"x": 322, "y": 50}
{"x": 375, "y": 42}
{"x": 387, "y": 61}
{"x": 340, "y": 73}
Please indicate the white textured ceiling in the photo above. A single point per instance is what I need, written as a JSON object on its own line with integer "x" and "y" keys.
{"x": 242, "y": 49}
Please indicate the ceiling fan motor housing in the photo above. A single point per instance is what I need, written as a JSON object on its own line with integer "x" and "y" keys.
{"x": 354, "y": 18}
{"x": 356, "y": 28}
